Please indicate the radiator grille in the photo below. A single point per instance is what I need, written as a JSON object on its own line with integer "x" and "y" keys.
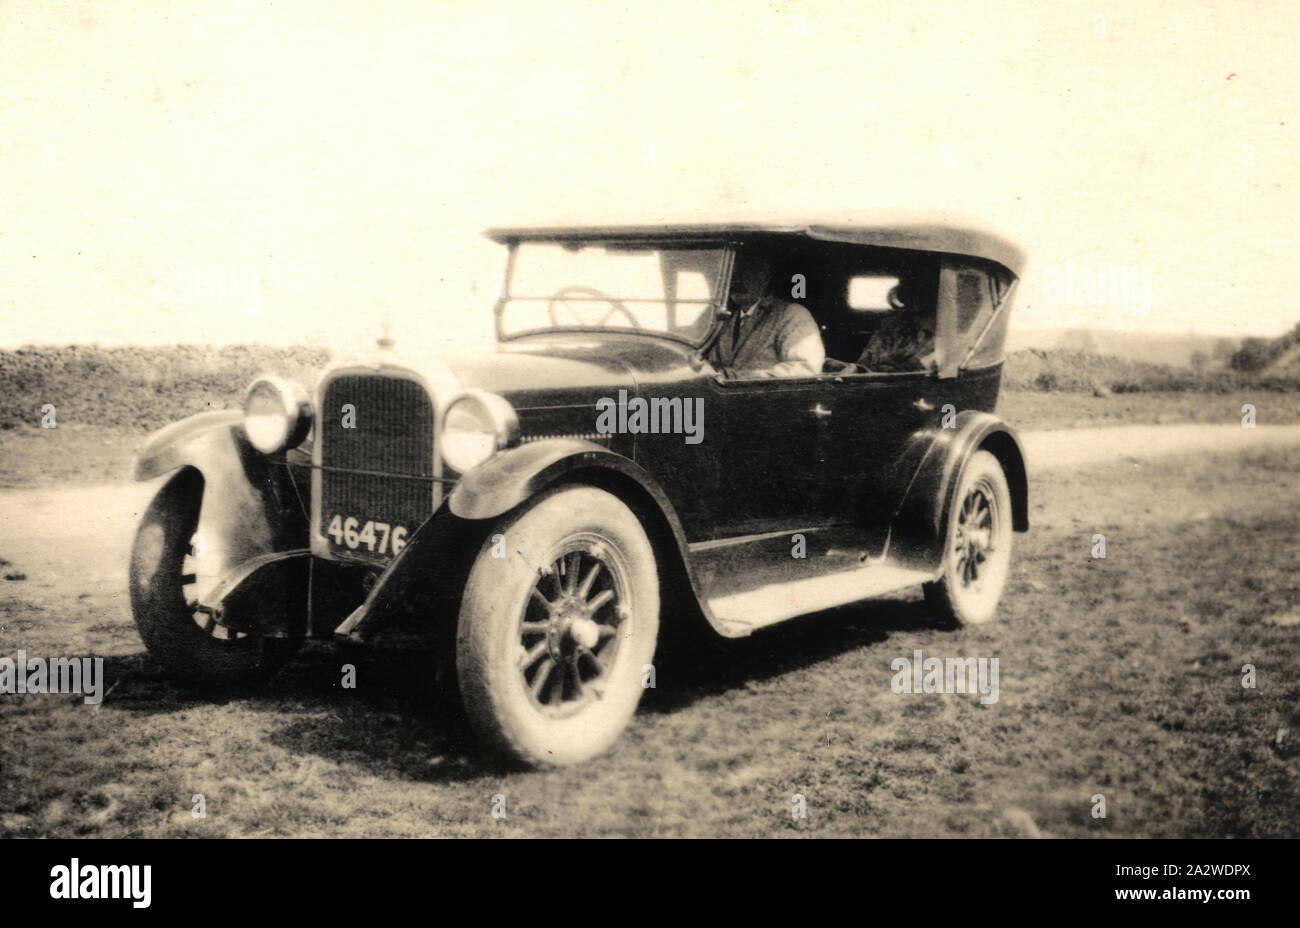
{"x": 380, "y": 471}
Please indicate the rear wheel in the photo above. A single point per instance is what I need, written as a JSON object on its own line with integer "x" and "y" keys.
{"x": 186, "y": 642}
{"x": 977, "y": 555}
{"x": 556, "y": 629}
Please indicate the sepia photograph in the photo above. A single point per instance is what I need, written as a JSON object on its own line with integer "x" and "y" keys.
{"x": 438, "y": 419}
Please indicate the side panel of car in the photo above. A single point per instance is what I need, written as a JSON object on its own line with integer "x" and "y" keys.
{"x": 874, "y": 439}
{"x": 684, "y": 452}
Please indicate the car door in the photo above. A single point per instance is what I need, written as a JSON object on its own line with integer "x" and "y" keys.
{"x": 773, "y": 454}
{"x": 868, "y": 467}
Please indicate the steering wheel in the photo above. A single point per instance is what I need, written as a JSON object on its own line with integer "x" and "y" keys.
{"x": 562, "y": 296}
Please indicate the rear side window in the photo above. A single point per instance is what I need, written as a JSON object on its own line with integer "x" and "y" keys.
{"x": 979, "y": 293}
{"x": 871, "y": 293}
{"x": 974, "y": 300}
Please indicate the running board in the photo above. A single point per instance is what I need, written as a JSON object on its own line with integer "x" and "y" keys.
{"x": 768, "y": 600}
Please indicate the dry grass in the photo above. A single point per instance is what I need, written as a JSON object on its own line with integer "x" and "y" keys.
{"x": 137, "y": 388}
{"x": 1119, "y": 676}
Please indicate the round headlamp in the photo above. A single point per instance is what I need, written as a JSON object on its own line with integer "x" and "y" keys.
{"x": 277, "y": 414}
{"x": 476, "y": 426}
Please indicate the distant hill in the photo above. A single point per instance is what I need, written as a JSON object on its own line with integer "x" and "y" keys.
{"x": 1058, "y": 370}
{"x": 1281, "y": 354}
{"x": 1153, "y": 348}
{"x": 1198, "y": 353}
{"x": 1290, "y": 358}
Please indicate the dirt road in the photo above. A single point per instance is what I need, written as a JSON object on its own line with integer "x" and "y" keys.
{"x": 1078, "y": 447}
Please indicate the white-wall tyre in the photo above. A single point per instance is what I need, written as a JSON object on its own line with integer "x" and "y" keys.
{"x": 553, "y": 637}
{"x": 977, "y": 548}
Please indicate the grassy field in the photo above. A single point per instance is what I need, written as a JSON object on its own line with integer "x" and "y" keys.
{"x": 1118, "y": 676}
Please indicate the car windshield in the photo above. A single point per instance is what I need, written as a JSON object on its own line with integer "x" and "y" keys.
{"x": 664, "y": 290}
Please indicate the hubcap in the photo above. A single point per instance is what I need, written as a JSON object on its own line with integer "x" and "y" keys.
{"x": 975, "y": 539}
{"x": 206, "y": 619}
{"x": 570, "y": 628}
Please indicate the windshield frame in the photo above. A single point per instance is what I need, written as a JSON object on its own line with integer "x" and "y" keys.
{"x": 716, "y": 305}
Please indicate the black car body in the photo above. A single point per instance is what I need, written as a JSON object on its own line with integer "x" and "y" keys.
{"x": 420, "y": 493}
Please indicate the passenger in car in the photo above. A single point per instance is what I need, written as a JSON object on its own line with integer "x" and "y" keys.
{"x": 765, "y": 336}
{"x": 905, "y": 339}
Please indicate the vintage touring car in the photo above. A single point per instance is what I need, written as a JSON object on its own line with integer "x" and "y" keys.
{"x": 512, "y": 506}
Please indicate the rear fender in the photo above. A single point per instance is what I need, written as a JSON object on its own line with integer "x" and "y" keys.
{"x": 918, "y": 530}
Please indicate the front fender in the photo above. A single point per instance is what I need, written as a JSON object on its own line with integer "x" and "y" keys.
{"x": 919, "y": 527}
{"x": 504, "y": 481}
{"x": 173, "y": 446}
{"x": 242, "y": 514}
{"x": 509, "y": 479}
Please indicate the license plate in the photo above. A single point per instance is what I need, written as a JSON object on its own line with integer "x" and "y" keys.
{"x": 373, "y": 537}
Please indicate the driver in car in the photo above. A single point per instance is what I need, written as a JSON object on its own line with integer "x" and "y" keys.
{"x": 765, "y": 336}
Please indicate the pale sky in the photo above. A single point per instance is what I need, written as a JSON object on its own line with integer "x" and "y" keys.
{"x": 328, "y": 164}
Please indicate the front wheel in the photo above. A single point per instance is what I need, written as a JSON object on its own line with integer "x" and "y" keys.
{"x": 557, "y": 626}
{"x": 977, "y": 553}
{"x": 186, "y": 642}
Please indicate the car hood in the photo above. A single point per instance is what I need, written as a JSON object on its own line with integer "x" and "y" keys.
{"x": 568, "y": 369}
